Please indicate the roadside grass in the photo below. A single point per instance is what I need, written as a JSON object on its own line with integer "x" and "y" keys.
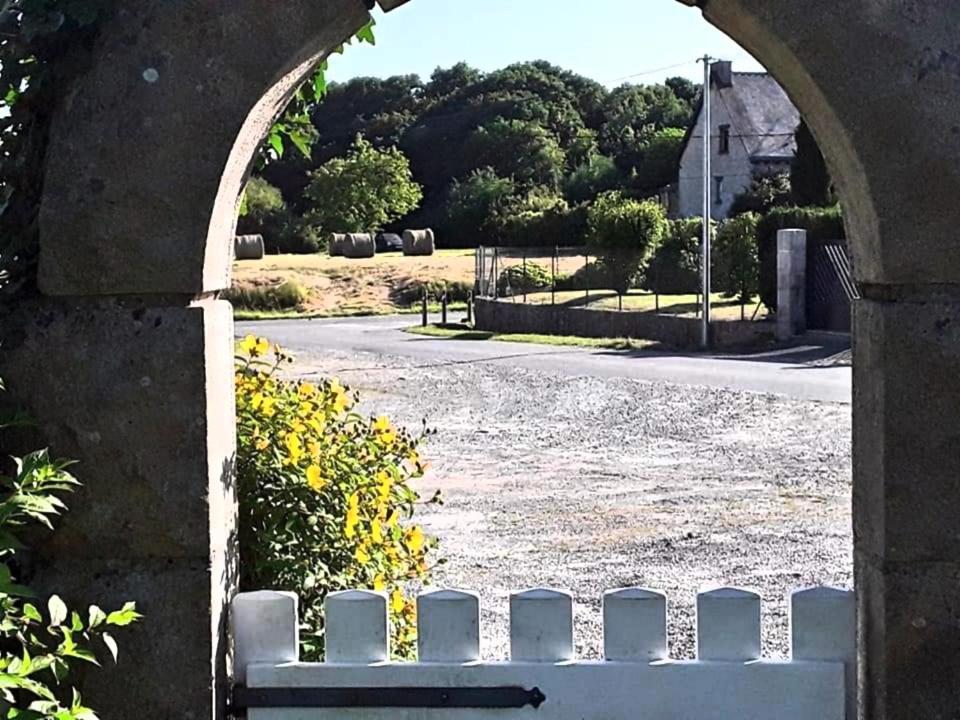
{"x": 457, "y": 331}
{"x": 249, "y": 315}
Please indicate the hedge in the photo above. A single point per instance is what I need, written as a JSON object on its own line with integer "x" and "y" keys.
{"x": 821, "y": 223}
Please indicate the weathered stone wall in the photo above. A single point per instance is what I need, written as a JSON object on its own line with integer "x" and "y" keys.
{"x": 504, "y": 316}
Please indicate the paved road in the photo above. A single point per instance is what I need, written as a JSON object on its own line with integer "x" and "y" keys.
{"x": 797, "y": 372}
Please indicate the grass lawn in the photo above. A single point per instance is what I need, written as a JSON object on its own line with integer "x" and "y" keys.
{"x": 465, "y": 332}
{"x": 685, "y": 305}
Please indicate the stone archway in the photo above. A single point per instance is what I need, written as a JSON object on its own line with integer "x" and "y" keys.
{"x": 146, "y": 160}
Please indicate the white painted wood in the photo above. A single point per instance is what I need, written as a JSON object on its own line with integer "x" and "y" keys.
{"x": 823, "y": 626}
{"x": 634, "y": 625}
{"x": 541, "y": 626}
{"x": 728, "y": 625}
{"x": 355, "y": 627}
{"x": 587, "y": 690}
{"x": 265, "y": 629}
{"x": 448, "y": 626}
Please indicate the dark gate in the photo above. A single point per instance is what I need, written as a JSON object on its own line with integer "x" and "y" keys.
{"x": 830, "y": 285}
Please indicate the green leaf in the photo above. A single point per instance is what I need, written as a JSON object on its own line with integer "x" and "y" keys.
{"x": 95, "y": 617}
{"x": 57, "y": 609}
{"x": 365, "y": 34}
{"x": 125, "y": 616}
{"x": 276, "y": 142}
{"x": 31, "y": 613}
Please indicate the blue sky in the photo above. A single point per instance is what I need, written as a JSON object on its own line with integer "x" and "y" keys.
{"x": 606, "y": 40}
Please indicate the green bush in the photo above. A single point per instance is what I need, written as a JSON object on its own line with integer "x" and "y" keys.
{"x": 39, "y": 651}
{"x": 288, "y": 295}
{"x": 674, "y": 268}
{"x": 821, "y": 223}
{"x": 325, "y": 496}
{"x": 529, "y": 277}
{"x": 736, "y": 267}
{"x": 624, "y": 231}
{"x": 263, "y": 212}
{"x": 301, "y": 237}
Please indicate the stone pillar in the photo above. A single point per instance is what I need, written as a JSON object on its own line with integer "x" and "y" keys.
{"x": 906, "y": 500}
{"x": 791, "y": 283}
{"x": 140, "y": 391}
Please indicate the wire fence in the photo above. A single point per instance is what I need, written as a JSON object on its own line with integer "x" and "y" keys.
{"x": 575, "y": 276}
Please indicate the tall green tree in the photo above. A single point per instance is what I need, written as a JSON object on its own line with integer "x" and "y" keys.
{"x": 522, "y": 150}
{"x": 809, "y": 176}
{"x": 736, "y": 271}
{"x": 362, "y": 191}
{"x": 472, "y": 207}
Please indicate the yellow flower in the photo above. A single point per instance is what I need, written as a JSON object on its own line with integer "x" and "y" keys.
{"x": 249, "y": 344}
{"x": 263, "y": 347}
{"x": 341, "y": 402}
{"x": 381, "y": 424}
{"x": 268, "y": 407}
{"x": 256, "y": 401}
{"x": 307, "y": 390}
{"x": 384, "y": 484}
{"x": 363, "y": 557}
{"x": 396, "y": 601}
{"x": 388, "y": 437}
{"x": 379, "y": 583}
{"x": 315, "y": 478}
{"x": 294, "y": 447}
{"x": 415, "y": 539}
{"x": 376, "y": 531}
{"x": 262, "y": 444}
{"x": 393, "y": 520}
{"x": 336, "y": 388}
{"x": 353, "y": 516}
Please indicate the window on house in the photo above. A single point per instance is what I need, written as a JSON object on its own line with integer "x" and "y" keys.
{"x": 724, "y": 139}
{"x": 718, "y": 190}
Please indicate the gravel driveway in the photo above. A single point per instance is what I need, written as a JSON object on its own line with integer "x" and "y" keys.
{"x": 592, "y": 484}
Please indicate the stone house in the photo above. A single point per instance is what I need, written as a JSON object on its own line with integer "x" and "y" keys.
{"x": 753, "y": 125}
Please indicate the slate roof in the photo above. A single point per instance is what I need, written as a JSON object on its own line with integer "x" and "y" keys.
{"x": 761, "y": 116}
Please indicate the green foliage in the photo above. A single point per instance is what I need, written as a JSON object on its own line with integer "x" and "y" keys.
{"x": 809, "y": 176}
{"x": 674, "y": 268}
{"x": 524, "y": 278}
{"x": 765, "y": 193}
{"x": 363, "y": 191}
{"x": 472, "y": 205}
{"x": 588, "y": 180}
{"x": 820, "y": 224}
{"x": 288, "y": 295}
{"x": 410, "y": 293}
{"x": 736, "y": 270}
{"x": 539, "y": 218}
{"x": 41, "y": 648}
{"x": 263, "y": 212}
{"x": 325, "y": 496}
{"x": 624, "y": 231}
{"x": 519, "y": 149}
{"x": 658, "y": 159}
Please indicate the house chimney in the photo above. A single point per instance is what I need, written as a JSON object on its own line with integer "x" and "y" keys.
{"x": 721, "y": 74}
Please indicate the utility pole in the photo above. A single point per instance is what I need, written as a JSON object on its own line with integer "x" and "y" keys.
{"x": 705, "y": 249}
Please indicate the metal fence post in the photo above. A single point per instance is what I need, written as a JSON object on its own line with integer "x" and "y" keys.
{"x": 443, "y": 307}
{"x": 423, "y": 305}
{"x": 470, "y": 309}
{"x": 524, "y": 275}
{"x": 586, "y": 275}
{"x": 554, "y": 261}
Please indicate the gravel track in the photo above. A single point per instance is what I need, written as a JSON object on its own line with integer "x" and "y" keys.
{"x": 592, "y": 484}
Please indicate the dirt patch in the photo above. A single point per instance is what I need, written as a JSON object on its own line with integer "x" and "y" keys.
{"x": 592, "y": 484}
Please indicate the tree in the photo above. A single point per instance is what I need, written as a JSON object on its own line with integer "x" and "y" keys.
{"x": 659, "y": 161}
{"x": 765, "y": 193}
{"x": 362, "y": 191}
{"x": 736, "y": 271}
{"x": 263, "y": 212}
{"x": 522, "y": 150}
{"x": 809, "y": 176}
{"x": 592, "y": 178}
{"x": 623, "y": 232}
{"x": 472, "y": 205}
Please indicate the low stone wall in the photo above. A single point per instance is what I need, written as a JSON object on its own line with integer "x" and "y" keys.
{"x": 504, "y": 316}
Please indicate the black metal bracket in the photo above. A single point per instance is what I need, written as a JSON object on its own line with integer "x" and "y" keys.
{"x": 386, "y": 697}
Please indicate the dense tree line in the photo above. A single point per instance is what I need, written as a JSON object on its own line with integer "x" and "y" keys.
{"x": 532, "y": 140}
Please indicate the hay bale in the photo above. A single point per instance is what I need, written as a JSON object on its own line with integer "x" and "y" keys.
{"x": 359, "y": 245}
{"x": 419, "y": 242}
{"x": 249, "y": 247}
{"x": 335, "y": 246}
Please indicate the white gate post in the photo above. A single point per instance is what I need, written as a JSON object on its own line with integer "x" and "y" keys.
{"x": 541, "y": 626}
{"x": 634, "y": 625}
{"x": 448, "y": 627}
{"x": 791, "y": 283}
{"x": 728, "y": 625}
{"x": 265, "y": 629}
{"x": 355, "y": 627}
{"x": 823, "y": 626}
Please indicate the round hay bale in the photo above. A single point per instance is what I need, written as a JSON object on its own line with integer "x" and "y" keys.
{"x": 419, "y": 242}
{"x": 335, "y": 246}
{"x": 359, "y": 245}
{"x": 249, "y": 247}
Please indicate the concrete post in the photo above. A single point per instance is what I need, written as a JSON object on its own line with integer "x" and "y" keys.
{"x": 791, "y": 283}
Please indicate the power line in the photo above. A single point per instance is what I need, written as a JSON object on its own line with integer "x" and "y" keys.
{"x": 656, "y": 70}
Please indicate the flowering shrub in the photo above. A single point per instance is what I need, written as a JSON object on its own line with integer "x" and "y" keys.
{"x": 325, "y": 497}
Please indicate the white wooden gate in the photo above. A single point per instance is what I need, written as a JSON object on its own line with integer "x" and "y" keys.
{"x": 635, "y": 681}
